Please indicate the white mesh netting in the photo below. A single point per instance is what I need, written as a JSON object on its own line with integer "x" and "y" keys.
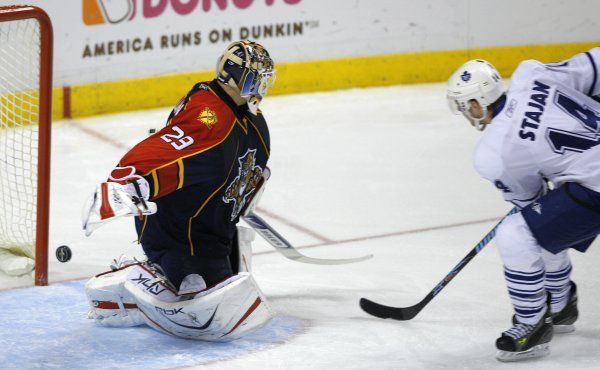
{"x": 19, "y": 100}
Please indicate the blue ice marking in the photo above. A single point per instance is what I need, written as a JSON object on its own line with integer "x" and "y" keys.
{"x": 47, "y": 328}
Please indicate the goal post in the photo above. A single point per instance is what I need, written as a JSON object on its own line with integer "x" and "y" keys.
{"x": 26, "y": 44}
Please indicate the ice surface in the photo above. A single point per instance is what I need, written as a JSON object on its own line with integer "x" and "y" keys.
{"x": 384, "y": 171}
{"x": 60, "y": 336}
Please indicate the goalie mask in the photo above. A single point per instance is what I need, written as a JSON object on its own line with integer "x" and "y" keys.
{"x": 247, "y": 67}
{"x": 475, "y": 80}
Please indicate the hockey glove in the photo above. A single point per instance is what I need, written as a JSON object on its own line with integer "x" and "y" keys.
{"x": 112, "y": 200}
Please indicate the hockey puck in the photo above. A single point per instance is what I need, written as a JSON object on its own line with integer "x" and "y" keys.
{"x": 151, "y": 131}
{"x": 63, "y": 253}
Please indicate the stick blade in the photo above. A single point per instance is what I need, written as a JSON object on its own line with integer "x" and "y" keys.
{"x": 388, "y": 312}
{"x": 294, "y": 255}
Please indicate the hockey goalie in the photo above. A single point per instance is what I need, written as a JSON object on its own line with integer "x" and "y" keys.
{"x": 187, "y": 186}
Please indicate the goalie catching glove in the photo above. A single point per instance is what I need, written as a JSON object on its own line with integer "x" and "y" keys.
{"x": 125, "y": 194}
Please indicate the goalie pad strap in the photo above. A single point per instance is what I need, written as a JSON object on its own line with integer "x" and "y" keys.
{"x": 256, "y": 303}
{"x": 106, "y": 211}
{"x": 108, "y": 305}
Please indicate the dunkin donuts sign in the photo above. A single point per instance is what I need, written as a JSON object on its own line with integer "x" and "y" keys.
{"x": 97, "y": 12}
{"x": 175, "y": 33}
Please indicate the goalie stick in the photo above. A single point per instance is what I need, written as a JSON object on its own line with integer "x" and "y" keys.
{"x": 287, "y": 249}
{"x": 407, "y": 313}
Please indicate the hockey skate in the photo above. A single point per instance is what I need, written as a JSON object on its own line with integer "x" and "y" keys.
{"x": 563, "y": 321}
{"x": 524, "y": 341}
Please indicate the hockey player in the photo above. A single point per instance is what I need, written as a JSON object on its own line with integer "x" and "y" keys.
{"x": 544, "y": 129}
{"x": 187, "y": 185}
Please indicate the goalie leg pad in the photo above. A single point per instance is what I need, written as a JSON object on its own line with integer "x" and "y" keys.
{"x": 112, "y": 305}
{"x": 224, "y": 312}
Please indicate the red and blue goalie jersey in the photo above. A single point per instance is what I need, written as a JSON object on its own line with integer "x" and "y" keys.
{"x": 202, "y": 167}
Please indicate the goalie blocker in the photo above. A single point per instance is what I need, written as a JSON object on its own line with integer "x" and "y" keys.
{"x": 136, "y": 293}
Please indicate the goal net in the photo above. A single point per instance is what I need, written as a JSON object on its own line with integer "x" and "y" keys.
{"x": 25, "y": 100}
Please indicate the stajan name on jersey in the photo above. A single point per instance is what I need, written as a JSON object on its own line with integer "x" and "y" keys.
{"x": 537, "y": 101}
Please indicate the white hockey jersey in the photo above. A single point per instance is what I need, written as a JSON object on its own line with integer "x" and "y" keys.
{"x": 548, "y": 128}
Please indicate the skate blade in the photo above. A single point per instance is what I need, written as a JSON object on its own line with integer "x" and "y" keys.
{"x": 537, "y": 351}
{"x": 563, "y": 329}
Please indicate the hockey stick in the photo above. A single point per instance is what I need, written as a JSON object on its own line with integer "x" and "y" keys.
{"x": 286, "y": 249}
{"x": 407, "y": 313}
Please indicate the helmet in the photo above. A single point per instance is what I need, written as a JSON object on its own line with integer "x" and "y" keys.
{"x": 475, "y": 80}
{"x": 247, "y": 67}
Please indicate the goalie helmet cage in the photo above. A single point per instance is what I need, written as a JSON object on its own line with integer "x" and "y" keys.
{"x": 25, "y": 117}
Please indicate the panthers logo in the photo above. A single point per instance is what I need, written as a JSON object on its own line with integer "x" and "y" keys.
{"x": 244, "y": 184}
{"x": 208, "y": 117}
